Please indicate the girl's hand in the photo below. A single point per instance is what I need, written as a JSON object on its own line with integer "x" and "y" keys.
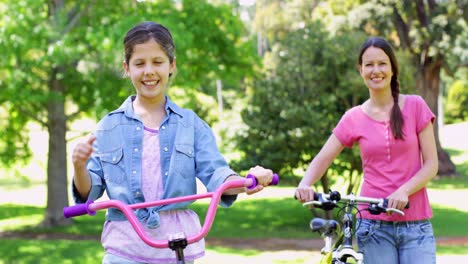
{"x": 83, "y": 151}
{"x": 263, "y": 176}
{"x": 304, "y": 194}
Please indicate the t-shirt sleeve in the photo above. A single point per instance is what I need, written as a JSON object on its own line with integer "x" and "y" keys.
{"x": 344, "y": 130}
{"x": 424, "y": 114}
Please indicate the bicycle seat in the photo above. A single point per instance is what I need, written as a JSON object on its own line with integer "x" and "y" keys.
{"x": 324, "y": 226}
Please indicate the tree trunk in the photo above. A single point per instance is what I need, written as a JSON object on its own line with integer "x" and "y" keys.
{"x": 427, "y": 84}
{"x": 219, "y": 93}
{"x": 57, "y": 186}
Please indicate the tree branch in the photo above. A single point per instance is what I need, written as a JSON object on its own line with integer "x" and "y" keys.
{"x": 33, "y": 116}
{"x": 402, "y": 29}
{"x": 74, "y": 16}
{"x": 421, "y": 13}
{"x": 432, "y": 5}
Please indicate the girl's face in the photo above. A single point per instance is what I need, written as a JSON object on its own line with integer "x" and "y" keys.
{"x": 376, "y": 69}
{"x": 149, "y": 68}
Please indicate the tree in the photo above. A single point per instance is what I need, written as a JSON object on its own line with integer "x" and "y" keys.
{"x": 299, "y": 98}
{"x": 457, "y": 102}
{"x": 432, "y": 32}
{"x": 62, "y": 60}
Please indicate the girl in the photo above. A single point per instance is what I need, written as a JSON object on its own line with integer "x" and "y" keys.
{"x": 148, "y": 149}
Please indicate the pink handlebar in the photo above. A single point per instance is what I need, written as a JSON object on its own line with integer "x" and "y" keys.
{"x": 91, "y": 207}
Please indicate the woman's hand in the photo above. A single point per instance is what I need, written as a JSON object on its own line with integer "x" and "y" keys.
{"x": 304, "y": 193}
{"x": 398, "y": 200}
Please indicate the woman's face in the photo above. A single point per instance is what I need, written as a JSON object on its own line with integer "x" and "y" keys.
{"x": 376, "y": 69}
{"x": 149, "y": 68}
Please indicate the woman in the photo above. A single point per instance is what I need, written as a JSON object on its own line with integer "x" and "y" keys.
{"x": 399, "y": 157}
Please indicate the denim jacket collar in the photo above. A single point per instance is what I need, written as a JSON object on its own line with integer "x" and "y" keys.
{"x": 127, "y": 107}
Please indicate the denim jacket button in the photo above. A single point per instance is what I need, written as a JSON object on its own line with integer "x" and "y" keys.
{"x": 163, "y": 127}
{"x": 137, "y": 128}
{"x": 166, "y": 149}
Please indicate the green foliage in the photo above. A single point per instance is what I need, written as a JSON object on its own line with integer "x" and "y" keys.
{"x": 78, "y": 46}
{"x": 310, "y": 80}
{"x": 456, "y": 107}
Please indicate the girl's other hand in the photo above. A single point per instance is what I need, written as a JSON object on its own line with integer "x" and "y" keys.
{"x": 83, "y": 151}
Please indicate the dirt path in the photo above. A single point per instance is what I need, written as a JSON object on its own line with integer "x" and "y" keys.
{"x": 275, "y": 244}
{"x": 264, "y": 244}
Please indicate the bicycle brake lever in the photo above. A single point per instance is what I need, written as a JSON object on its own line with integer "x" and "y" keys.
{"x": 376, "y": 209}
{"x": 322, "y": 202}
{"x": 394, "y": 210}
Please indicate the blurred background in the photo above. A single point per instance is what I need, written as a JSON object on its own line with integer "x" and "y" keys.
{"x": 272, "y": 78}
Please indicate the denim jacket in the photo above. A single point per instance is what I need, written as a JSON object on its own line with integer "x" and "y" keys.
{"x": 188, "y": 150}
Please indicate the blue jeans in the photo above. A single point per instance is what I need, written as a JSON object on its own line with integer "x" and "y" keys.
{"x": 384, "y": 242}
{"x": 113, "y": 259}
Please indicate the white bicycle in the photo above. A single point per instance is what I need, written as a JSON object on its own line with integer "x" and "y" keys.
{"x": 338, "y": 237}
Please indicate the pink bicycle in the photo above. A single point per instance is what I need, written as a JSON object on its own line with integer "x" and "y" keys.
{"x": 176, "y": 242}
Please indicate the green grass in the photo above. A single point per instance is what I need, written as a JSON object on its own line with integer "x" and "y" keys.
{"x": 455, "y": 182}
{"x": 50, "y": 251}
{"x": 452, "y": 250}
{"x": 259, "y": 218}
{"x": 449, "y": 222}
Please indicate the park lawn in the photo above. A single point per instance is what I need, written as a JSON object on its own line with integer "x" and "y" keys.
{"x": 90, "y": 251}
{"x": 264, "y": 218}
{"x": 277, "y": 218}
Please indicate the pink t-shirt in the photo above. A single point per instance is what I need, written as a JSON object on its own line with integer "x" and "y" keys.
{"x": 119, "y": 237}
{"x": 388, "y": 163}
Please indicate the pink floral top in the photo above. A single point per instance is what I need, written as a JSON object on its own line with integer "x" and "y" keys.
{"x": 119, "y": 238}
{"x": 388, "y": 163}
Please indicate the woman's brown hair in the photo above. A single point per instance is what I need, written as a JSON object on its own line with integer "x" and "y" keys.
{"x": 396, "y": 117}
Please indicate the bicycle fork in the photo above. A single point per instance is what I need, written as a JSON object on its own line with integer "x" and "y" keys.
{"x": 347, "y": 251}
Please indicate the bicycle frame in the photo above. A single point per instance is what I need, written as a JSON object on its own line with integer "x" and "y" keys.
{"x": 179, "y": 241}
{"x": 344, "y": 250}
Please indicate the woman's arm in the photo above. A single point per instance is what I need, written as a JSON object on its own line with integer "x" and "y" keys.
{"x": 399, "y": 198}
{"x": 318, "y": 167}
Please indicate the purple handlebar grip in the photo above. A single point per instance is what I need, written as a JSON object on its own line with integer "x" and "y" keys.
{"x": 76, "y": 210}
{"x": 274, "y": 181}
